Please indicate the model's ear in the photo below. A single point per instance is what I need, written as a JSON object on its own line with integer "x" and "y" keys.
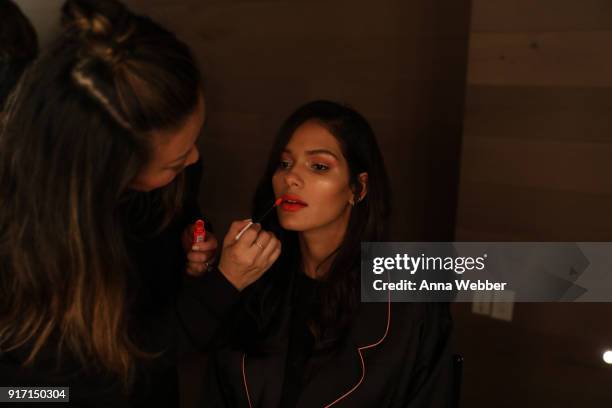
{"x": 361, "y": 190}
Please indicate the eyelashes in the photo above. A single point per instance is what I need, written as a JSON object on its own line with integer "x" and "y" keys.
{"x": 283, "y": 164}
{"x": 320, "y": 167}
{"x": 317, "y": 166}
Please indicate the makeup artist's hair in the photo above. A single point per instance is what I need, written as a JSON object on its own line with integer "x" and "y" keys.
{"x": 76, "y": 133}
{"x": 18, "y": 46}
{"x": 339, "y": 293}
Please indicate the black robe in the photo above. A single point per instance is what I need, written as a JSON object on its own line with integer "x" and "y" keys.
{"x": 393, "y": 355}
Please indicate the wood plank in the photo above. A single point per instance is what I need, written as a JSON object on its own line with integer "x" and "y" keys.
{"x": 232, "y": 127}
{"x": 259, "y": 95}
{"x": 338, "y": 59}
{"x": 541, "y": 59}
{"x": 540, "y": 15}
{"x": 378, "y": 97}
{"x": 537, "y": 214}
{"x": 326, "y": 20}
{"x": 253, "y": 19}
{"x": 573, "y": 167}
{"x": 541, "y": 113}
{"x": 478, "y": 233}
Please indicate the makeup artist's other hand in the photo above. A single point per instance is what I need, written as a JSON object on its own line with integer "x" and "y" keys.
{"x": 200, "y": 255}
{"x": 244, "y": 261}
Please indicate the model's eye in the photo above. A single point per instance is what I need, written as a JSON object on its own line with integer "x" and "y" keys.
{"x": 284, "y": 164}
{"x": 320, "y": 167}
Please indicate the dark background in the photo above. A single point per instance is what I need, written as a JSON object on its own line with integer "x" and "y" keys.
{"x": 494, "y": 117}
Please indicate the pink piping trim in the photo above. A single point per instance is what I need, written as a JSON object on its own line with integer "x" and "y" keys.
{"x": 359, "y": 350}
{"x": 246, "y": 387}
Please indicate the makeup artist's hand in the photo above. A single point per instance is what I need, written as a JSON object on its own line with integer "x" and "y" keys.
{"x": 201, "y": 255}
{"x": 244, "y": 261}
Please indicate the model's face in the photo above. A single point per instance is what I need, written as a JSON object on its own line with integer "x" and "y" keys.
{"x": 313, "y": 179}
{"x": 171, "y": 153}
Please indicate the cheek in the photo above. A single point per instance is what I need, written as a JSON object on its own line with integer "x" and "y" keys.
{"x": 148, "y": 180}
{"x": 330, "y": 196}
{"x": 333, "y": 189}
{"x": 277, "y": 184}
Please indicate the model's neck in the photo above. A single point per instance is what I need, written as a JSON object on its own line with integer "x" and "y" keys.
{"x": 317, "y": 248}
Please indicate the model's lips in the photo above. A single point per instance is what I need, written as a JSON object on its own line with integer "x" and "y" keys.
{"x": 292, "y": 203}
{"x": 293, "y": 199}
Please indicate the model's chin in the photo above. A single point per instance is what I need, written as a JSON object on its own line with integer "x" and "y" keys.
{"x": 291, "y": 223}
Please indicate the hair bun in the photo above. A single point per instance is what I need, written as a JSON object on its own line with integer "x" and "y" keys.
{"x": 102, "y": 19}
{"x": 101, "y": 25}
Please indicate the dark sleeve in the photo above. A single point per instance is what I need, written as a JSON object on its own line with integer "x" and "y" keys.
{"x": 204, "y": 305}
{"x": 189, "y": 309}
{"x": 216, "y": 392}
{"x": 191, "y": 206}
{"x": 203, "y": 302}
{"x": 430, "y": 381}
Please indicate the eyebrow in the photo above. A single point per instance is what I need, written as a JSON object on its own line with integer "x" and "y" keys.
{"x": 316, "y": 151}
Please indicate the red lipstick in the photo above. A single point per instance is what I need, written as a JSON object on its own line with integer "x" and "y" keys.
{"x": 292, "y": 203}
{"x": 199, "y": 232}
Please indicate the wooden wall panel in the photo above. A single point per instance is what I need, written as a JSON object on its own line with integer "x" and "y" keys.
{"x": 570, "y": 114}
{"x": 542, "y": 58}
{"x": 541, "y": 15}
{"x": 535, "y": 213}
{"x": 544, "y": 165}
{"x": 535, "y": 166}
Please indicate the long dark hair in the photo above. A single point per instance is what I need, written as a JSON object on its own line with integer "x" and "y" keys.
{"x": 76, "y": 133}
{"x": 339, "y": 291}
{"x": 18, "y": 46}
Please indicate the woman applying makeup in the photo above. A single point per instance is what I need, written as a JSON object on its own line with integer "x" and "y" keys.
{"x": 304, "y": 338}
{"x": 94, "y": 147}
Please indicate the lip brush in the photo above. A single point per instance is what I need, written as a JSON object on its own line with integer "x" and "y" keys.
{"x": 260, "y": 219}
